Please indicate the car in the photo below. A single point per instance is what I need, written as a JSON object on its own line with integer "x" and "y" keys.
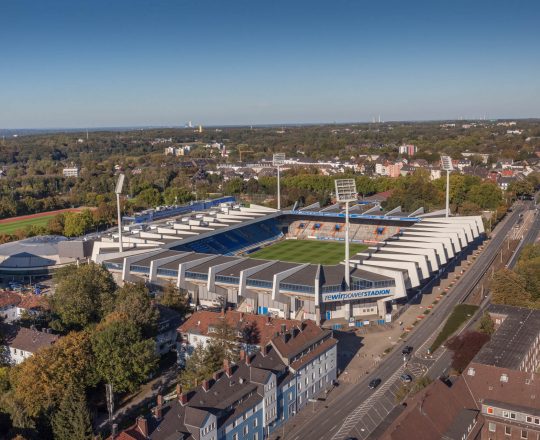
{"x": 375, "y": 383}
{"x": 407, "y": 350}
{"x": 406, "y": 378}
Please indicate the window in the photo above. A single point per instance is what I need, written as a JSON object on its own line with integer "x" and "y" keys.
{"x": 508, "y": 430}
{"x": 504, "y": 377}
{"x": 235, "y": 436}
{"x": 245, "y": 429}
{"x": 489, "y": 410}
{"x": 255, "y": 423}
{"x": 492, "y": 427}
{"x": 529, "y": 419}
{"x": 537, "y": 421}
{"x": 506, "y": 414}
{"x": 523, "y": 433}
{"x": 256, "y": 436}
{"x": 513, "y": 416}
{"x": 471, "y": 372}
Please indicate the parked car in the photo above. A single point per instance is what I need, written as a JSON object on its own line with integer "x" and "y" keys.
{"x": 375, "y": 383}
{"x": 406, "y": 378}
{"x": 407, "y": 350}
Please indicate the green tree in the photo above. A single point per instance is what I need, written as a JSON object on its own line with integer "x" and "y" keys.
{"x": 83, "y": 295}
{"x": 77, "y": 224}
{"x": 175, "y": 195}
{"x": 197, "y": 368}
{"x": 486, "y": 195}
{"x": 133, "y": 303}
{"x": 521, "y": 188}
{"x": 224, "y": 343}
{"x": 175, "y": 298}
{"x": 149, "y": 198}
{"x": 72, "y": 419}
{"x": 123, "y": 357}
{"x": 509, "y": 288}
{"x": 487, "y": 325}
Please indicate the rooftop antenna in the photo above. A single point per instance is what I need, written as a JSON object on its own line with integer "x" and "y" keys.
{"x": 446, "y": 165}
{"x": 118, "y": 191}
{"x": 346, "y": 193}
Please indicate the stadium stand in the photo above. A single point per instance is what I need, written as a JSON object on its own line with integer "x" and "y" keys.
{"x": 368, "y": 233}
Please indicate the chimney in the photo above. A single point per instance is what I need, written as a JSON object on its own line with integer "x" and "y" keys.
{"x": 142, "y": 425}
{"x": 283, "y": 328}
{"x": 268, "y": 319}
{"x": 241, "y": 316}
{"x": 227, "y": 367}
{"x": 242, "y": 354}
{"x": 183, "y": 399}
{"x": 248, "y": 360}
{"x": 160, "y": 399}
{"x": 178, "y": 390}
{"x": 157, "y": 412}
{"x": 205, "y": 384}
{"x": 216, "y": 375}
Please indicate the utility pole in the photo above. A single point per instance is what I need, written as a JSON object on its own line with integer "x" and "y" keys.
{"x": 118, "y": 191}
{"x": 278, "y": 159}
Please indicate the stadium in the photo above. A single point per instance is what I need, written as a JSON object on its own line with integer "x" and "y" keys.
{"x": 290, "y": 263}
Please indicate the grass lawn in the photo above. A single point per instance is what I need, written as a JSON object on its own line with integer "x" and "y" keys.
{"x": 307, "y": 251}
{"x": 10, "y": 228}
{"x": 460, "y": 314}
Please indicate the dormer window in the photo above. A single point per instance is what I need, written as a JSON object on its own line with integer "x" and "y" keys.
{"x": 471, "y": 372}
{"x": 504, "y": 377}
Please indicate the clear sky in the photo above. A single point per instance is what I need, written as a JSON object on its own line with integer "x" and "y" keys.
{"x": 95, "y": 63}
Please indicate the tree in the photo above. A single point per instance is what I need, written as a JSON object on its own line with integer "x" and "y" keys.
{"x": 72, "y": 420}
{"x": 509, "y": 288}
{"x": 83, "y": 295}
{"x": 40, "y": 382}
{"x": 175, "y": 298}
{"x": 149, "y": 198}
{"x": 175, "y": 195}
{"x": 521, "y": 188}
{"x": 487, "y": 325}
{"x": 133, "y": 304}
{"x": 123, "y": 357}
{"x": 486, "y": 195}
{"x": 465, "y": 347}
{"x": 77, "y": 224}
{"x": 224, "y": 343}
{"x": 197, "y": 368}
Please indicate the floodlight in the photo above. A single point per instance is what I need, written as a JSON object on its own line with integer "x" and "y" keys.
{"x": 278, "y": 159}
{"x": 446, "y": 163}
{"x": 118, "y": 191}
{"x": 119, "y": 184}
{"x": 346, "y": 190}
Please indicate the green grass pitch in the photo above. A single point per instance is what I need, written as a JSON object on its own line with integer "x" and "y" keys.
{"x": 307, "y": 251}
{"x": 10, "y": 228}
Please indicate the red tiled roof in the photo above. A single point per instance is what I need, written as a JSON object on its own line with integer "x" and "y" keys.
{"x": 8, "y": 298}
{"x": 33, "y": 302}
{"x": 266, "y": 326}
{"x": 299, "y": 339}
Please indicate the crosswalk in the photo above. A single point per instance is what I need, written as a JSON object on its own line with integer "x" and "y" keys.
{"x": 378, "y": 405}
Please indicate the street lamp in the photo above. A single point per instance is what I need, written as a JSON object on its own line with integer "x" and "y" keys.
{"x": 118, "y": 191}
{"x": 346, "y": 193}
{"x": 278, "y": 159}
{"x": 446, "y": 165}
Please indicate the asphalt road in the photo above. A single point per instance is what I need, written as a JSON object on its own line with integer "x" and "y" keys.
{"x": 359, "y": 410}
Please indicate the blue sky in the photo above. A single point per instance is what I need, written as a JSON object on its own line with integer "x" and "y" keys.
{"x": 165, "y": 62}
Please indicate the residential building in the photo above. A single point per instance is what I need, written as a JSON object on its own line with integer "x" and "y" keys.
{"x": 409, "y": 150}
{"x": 505, "y": 182}
{"x": 168, "y": 322}
{"x": 13, "y": 305}
{"x": 20, "y": 343}
{"x": 253, "y": 331}
{"x": 70, "y": 172}
{"x": 250, "y": 399}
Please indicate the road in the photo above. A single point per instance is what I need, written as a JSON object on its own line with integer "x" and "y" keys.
{"x": 358, "y": 411}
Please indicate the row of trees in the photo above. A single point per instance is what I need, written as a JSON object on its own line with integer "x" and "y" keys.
{"x": 521, "y": 286}
{"x": 108, "y": 338}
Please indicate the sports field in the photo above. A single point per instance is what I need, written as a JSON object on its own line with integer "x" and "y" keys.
{"x": 307, "y": 251}
{"x": 11, "y": 227}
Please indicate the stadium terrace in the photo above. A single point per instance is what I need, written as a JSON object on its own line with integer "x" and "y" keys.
{"x": 207, "y": 252}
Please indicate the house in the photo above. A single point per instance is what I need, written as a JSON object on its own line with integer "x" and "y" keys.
{"x": 168, "y": 322}
{"x": 20, "y": 343}
{"x": 13, "y": 305}
{"x": 253, "y": 331}
{"x": 249, "y": 399}
{"x": 70, "y": 172}
{"x": 505, "y": 182}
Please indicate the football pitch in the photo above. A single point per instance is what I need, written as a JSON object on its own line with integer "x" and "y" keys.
{"x": 307, "y": 251}
{"x": 10, "y": 228}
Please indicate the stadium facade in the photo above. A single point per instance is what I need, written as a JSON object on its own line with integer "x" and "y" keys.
{"x": 207, "y": 254}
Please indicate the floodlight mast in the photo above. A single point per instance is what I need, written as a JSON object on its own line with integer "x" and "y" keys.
{"x": 346, "y": 192}
{"x": 118, "y": 191}
{"x": 446, "y": 165}
{"x": 278, "y": 159}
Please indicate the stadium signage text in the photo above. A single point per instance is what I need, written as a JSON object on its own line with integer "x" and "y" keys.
{"x": 354, "y": 294}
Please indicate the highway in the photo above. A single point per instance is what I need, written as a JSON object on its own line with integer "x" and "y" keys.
{"x": 359, "y": 410}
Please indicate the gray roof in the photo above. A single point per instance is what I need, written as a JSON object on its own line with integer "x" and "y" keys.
{"x": 234, "y": 270}
{"x": 513, "y": 339}
{"x": 267, "y": 274}
{"x": 220, "y": 259}
{"x": 460, "y": 424}
{"x": 304, "y": 277}
{"x": 146, "y": 261}
{"x": 190, "y": 256}
{"x": 518, "y": 408}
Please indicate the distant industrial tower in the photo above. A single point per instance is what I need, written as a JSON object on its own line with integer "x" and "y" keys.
{"x": 200, "y": 128}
